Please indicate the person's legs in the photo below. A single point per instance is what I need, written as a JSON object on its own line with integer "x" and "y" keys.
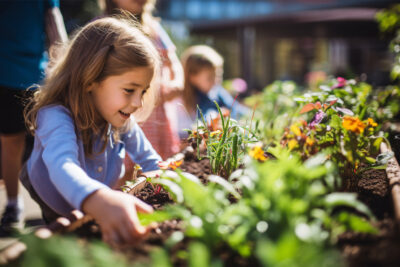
{"x": 12, "y": 140}
{"x": 12, "y": 149}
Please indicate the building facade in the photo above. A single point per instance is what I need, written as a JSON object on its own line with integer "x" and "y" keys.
{"x": 263, "y": 41}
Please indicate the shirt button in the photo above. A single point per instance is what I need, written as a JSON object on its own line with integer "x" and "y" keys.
{"x": 99, "y": 169}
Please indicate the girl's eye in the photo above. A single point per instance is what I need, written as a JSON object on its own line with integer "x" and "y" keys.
{"x": 144, "y": 92}
{"x": 129, "y": 90}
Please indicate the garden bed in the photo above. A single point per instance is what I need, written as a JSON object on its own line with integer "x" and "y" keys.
{"x": 359, "y": 249}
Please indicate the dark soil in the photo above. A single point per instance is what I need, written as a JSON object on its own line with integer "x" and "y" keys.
{"x": 373, "y": 189}
{"x": 373, "y": 250}
{"x": 199, "y": 168}
{"x": 368, "y": 249}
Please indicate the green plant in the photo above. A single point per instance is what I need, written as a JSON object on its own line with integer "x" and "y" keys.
{"x": 335, "y": 121}
{"x": 274, "y": 108}
{"x": 225, "y": 141}
{"x": 284, "y": 205}
{"x": 68, "y": 251}
{"x": 389, "y": 21}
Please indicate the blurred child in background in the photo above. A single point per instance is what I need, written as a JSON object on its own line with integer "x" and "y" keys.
{"x": 158, "y": 127}
{"x": 203, "y": 69}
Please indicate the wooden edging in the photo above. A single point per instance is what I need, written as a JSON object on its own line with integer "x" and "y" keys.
{"x": 393, "y": 175}
{"x": 63, "y": 224}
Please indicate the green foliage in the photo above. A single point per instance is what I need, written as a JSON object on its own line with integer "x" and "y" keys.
{"x": 389, "y": 21}
{"x": 283, "y": 207}
{"x": 338, "y": 119}
{"x": 68, "y": 252}
{"x": 226, "y": 142}
{"x": 274, "y": 108}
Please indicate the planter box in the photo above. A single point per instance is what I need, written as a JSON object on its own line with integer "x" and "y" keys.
{"x": 393, "y": 175}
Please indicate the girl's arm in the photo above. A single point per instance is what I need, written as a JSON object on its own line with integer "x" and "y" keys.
{"x": 56, "y": 134}
{"x": 115, "y": 212}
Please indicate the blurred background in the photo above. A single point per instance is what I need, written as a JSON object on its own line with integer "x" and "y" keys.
{"x": 267, "y": 40}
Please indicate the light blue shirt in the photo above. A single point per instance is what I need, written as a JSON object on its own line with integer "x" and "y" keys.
{"x": 60, "y": 172}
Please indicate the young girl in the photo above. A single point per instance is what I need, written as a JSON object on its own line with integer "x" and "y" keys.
{"x": 159, "y": 126}
{"x": 203, "y": 68}
{"x": 84, "y": 118}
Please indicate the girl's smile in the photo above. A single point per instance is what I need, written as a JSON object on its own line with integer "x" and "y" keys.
{"x": 125, "y": 115}
{"x": 117, "y": 97}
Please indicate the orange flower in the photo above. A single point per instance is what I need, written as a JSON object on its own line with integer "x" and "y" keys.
{"x": 164, "y": 165}
{"x": 372, "y": 123}
{"x": 175, "y": 164}
{"x": 257, "y": 153}
{"x": 353, "y": 124}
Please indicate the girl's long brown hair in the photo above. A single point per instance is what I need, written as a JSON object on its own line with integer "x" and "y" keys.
{"x": 195, "y": 59}
{"x": 103, "y": 48}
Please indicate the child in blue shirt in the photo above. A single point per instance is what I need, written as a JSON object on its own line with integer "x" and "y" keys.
{"x": 203, "y": 68}
{"x": 84, "y": 118}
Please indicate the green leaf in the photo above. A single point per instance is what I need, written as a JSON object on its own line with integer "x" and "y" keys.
{"x": 160, "y": 258}
{"x": 315, "y": 161}
{"x": 356, "y": 223}
{"x": 225, "y": 185}
{"x": 199, "y": 255}
{"x": 157, "y": 216}
{"x": 347, "y": 199}
{"x": 370, "y": 160}
{"x": 170, "y": 187}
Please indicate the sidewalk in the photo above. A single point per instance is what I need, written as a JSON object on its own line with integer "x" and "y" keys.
{"x": 32, "y": 213}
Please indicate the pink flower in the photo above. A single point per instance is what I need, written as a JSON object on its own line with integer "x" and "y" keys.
{"x": 318, "y": 117}
{"x": 239, "y": 85}
{"x": 341, "y": 82}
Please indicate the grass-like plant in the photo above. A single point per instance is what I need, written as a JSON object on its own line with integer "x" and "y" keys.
{"x": 225, "y": 140}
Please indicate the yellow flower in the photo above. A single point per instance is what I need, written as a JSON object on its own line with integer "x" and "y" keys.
{"x": 353, "y": 124}
{"x": 296, "y": 130}
{"x": 217, "y": 132}
{"x": 309, "y": 141}
{"x": 372, "y": 123}
{"x": 292, "y": 144}
{"x": 257, "y": 153}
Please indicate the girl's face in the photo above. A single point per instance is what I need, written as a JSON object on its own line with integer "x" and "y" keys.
{"x": 117, "y": 97}
{"x": 133, "y": 6}
{"x": 204, "y": 80}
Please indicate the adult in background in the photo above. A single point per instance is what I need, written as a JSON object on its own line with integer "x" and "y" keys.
{"x": 24, "y": 26}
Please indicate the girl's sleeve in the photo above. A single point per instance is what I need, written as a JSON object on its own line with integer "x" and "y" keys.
{"x": 57, "y": 136}
{"x": 140, "y": 150}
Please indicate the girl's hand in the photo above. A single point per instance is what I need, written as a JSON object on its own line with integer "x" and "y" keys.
{"x": 116, "y": 213}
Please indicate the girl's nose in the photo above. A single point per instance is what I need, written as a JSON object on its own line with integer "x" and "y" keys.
{"x": 137, "y": 100}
